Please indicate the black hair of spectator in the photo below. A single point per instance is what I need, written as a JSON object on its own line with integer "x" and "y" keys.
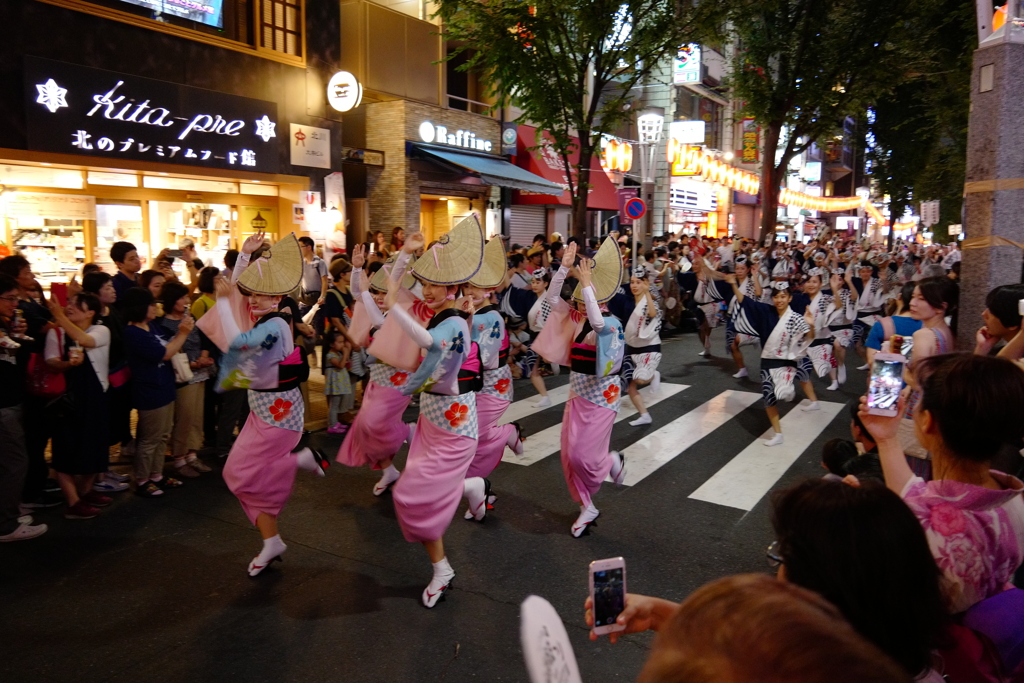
{"x": 1003, "y": 302}
{"x": 7, "y": 283}
{"x": 516, "y": 260}
{"x": 907, "y": 293}
{"x": 307, "y": 241}
{"x": 90, "y": 302}
{"x": 119, "y": 251}
{"x": 373, "y": 268}
{"x": 939, "y": 292}
{"x": 93, "y": 282}
{"x": 146, "y": 277}
{"x": 230, "y": 258}
{"x": 672, "y": 246}
{"x": 942, "y": 290}
{"x": 975, "y": 400}
{"x": 553, "y": 249}
{"x": 170, "y": 293}
{"x": 855, "y": 418}
{"x": 864, "y": 550}
{"x": 206, "y": 283}
{"x": 91, "y": 268}
{"x": 836, "y": 453}
{"x": 13, "y": 265}
{"x": 538, "y": 236}
{"x": 135, "y": 304}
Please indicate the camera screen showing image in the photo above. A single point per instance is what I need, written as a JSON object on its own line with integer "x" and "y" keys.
{"x": 886, "y": 384}
{"x": 609, "y": 596}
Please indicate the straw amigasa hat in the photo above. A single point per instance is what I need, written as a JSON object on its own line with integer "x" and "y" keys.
{"x": 379, "y": 281}
{"x": 493, "y": 270}
{"x": 455, "y": 257}
{"x": 277, "y": 272}
{"x": 606, "y": 273}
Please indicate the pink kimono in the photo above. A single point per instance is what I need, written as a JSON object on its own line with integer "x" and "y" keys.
{"x": 378, "y": 430}
{"x": 494, "y": 399}
{"x": 429, "y": 490}
{"x": 594, "y": 357}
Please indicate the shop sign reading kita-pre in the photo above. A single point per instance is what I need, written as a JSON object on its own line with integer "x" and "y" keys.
{"x": 73, "y": 109}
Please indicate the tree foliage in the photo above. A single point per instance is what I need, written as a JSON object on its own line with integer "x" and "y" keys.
{"x": 920, "y": 133}
{"x": 803, "y": 66}
{"x": 573, "y": 66}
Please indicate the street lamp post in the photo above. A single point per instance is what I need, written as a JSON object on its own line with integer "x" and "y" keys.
{"x": 994, "y": 189}
{"x": 650, "y": 124}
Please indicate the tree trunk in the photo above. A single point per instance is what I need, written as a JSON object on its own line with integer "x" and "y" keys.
{"x": 771, "y": 180}
{"x": 579, "y": 202}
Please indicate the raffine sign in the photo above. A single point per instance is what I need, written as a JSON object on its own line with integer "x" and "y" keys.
{"x": 73, "y": 109}
{"x": 441, "y": 135}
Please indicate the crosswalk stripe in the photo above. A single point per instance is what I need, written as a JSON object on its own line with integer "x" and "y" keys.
{"x": 658, "y": 448}
{"x": 745, "y": 479}
{"x": 547, "y": 441}
{"x": 526, "y": 407}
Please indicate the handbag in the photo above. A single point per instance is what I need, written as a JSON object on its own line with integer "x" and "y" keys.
{"x": 182, "y": 370}
{"x": 41, "y": 379}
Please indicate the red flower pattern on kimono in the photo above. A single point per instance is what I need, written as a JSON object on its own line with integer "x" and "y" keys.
{"x": 611, "y": 394}
{"x": 502, "y": 385}
{"x": 456, "y": 414}
{"x": 280, "y": 409}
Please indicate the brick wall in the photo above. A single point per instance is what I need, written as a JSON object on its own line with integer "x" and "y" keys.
{"x": 394, "y": 194}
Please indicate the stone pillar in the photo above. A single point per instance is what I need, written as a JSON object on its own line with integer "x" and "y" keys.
{"x": 994, "y": 189}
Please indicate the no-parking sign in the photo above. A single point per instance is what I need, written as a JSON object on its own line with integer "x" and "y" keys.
{"x": 635, "y": 208}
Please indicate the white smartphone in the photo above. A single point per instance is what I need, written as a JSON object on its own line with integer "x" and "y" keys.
{"x": 608, "y": 593}
{"x": 886, "y": 384}
{"x": 1020, "y": 306}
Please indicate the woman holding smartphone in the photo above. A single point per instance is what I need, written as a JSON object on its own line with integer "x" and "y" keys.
{"x": 934, "y": 298}
{"x": 80, "y": 349}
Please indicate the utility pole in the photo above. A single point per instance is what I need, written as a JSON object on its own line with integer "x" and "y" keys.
{"x": 994, "y": 188}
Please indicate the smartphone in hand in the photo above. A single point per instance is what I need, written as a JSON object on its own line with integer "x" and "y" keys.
{"x": 59, "y": 291}
{"x": 885, "y": 384}
{"x": 608, "y": 593}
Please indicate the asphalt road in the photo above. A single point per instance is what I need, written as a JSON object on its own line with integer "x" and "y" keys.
{"x": 157, "y": 590}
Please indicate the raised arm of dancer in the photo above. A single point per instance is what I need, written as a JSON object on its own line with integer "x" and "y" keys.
{"x": 416, "y": 332}
{"x": 251, "y": 244}
{"x": 589, "y": 298}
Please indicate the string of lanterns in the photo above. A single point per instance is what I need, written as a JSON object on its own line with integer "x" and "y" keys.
{"x": 696, "y": 161}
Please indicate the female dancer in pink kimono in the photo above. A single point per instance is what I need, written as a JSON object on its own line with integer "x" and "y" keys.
{"x": 488, "y": 332}
{"x": 594, "y": 359}
{"x": 260, "y": 469}
{"x": 442, "y": 448}
{"x": 378, "y": 430}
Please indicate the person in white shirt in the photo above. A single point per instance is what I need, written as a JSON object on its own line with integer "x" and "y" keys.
{"x": 643, "y": 344}
{"x": 80, "y": 350}
{"x": 952, "y": 257}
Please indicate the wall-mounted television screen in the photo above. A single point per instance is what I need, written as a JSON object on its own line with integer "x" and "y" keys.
{"x": 209, "y": 12}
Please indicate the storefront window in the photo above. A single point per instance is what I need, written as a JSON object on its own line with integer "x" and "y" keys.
{"x": 54, "y": 247}
{"x": 174, "y": 225}
{"x": 120, "y": 222}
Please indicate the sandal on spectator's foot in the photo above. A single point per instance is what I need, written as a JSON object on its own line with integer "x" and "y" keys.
{"x": 169, "y": 483}
{"x": 149, "y": 490}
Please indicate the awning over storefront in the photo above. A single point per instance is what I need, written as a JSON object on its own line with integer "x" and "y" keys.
{"x": 493, "y": 171}
{"x": 544, "y": 162}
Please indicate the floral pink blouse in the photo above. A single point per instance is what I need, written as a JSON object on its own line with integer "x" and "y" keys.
{"x": 976, "y": 534}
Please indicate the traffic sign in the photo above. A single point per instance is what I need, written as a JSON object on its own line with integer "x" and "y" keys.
{"x": 635, "y": 208}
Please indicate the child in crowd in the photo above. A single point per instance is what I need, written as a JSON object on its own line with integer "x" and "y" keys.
{"x": 337, "y": 386}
